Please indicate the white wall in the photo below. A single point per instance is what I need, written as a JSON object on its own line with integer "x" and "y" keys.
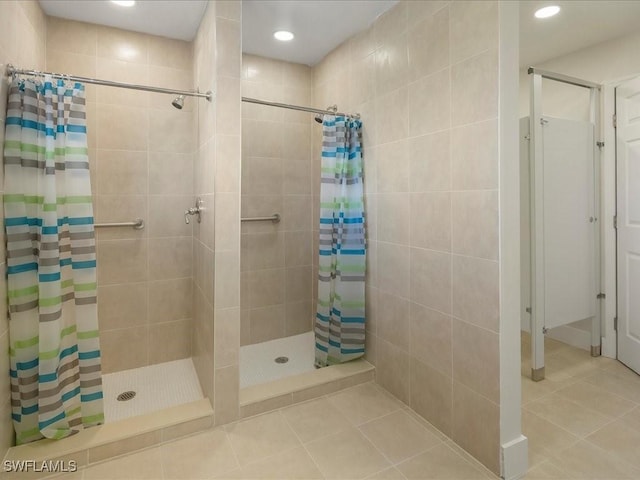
{"x": 603, "y": 63}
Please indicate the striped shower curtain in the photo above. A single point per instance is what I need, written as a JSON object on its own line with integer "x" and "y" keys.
{"x": 56, "y": 383}
{"x": 340, "y": 315}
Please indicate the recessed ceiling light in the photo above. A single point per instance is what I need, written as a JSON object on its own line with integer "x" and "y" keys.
{"x": 546, "y": 12}
{"x": 124, "y": 3}
{"x": 283, "y": 35}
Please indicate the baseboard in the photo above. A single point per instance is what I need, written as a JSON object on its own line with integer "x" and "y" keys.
{"x": 575, "y": 337}
{"x": 515, "y": 458}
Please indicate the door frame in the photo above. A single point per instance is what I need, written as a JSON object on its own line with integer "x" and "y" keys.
{"x": 537, "y": 302}
{"x": 609, "y": 209}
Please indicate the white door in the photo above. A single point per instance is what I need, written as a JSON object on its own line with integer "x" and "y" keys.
{"x": 628, "y": 218}
{"x": 569, "y": 222}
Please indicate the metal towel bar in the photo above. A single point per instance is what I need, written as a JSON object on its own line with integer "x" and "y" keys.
{"x": 137, "y": 224}
{"x": 275, "y": 218}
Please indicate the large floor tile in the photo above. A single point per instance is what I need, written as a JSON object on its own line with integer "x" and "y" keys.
{"x": 315, "y": 419}
{"x": 346, "y": 455}
{"x": 260, "y": 437}
{"x": 387, "y": 474}
{"x": 545, "y": 438}
{"x": 590, "y": 396}
{"x": 199, "y": 456}
{"x": 569, "y": 415}
{"x": 441, "y": 462}
{"x": 141, "y": 465}
{"x": 584, "y": 461}
{"x": 398, "y": 436}
{"x": 626, "y": 385}
{"x": 364, "y": 402}
{"x": 618, "y": 440}
{"x": 291, "y": 464}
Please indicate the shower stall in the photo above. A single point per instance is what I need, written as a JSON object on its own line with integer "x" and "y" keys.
{"x": 280, "y": 205}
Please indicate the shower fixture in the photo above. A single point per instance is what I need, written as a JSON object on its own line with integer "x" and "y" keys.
{"x": 318, "y": 118}
{"x": 178, "y": 102}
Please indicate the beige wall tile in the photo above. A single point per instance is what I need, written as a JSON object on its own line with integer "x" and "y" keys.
{"x": 431, "y": 338}
{"x": 166, "y": 215}
{"x": 474, "y": 89}
{"x": 393, "y": 320}
{"x": 476, "y": 362}
{"x": 428, "y": 43}
{"x": 391, "y": 24}
{"x": 393, "y": 268}
{"x": 267, "y": 323}
{"x": 475, "y": 291}
{"x": 170, "y": 131}
{"x": 474, "y": 156}
{"x": 228, "y": 61}
{"x": 171, "y": 173}
{"x": 431, "y": 395}
{"x": 121, "y": 172}
{"x": 299, "y": 317}
{"x": 392, "y": 65}
{"x": 169, "y": 341}
{"x": 124, "y": 348}
{"x": 170, "y": 300}
{"x": 227, "y": 336}
{"x": 430, "y": 103}
{"x": 70, "y": 36}
{"x": 476, "y": 426}
{"x": 297, "y": 283}
{"x": 170, "y": 257}
{"x": 430, "y": 162}
{"x": 122, "y": 45}
{"x": 474, "y": 28}
{"x": 431, "y": 220}
{"x": 392, "y": 162}
{"x": 121, "y": 306}
{"x": 431, "y": 279}
{"x": 123, "y": 128}
{"x": 227, "y": 394}
{"x": 393, "y": 370}
{"x": 121, "y": 261}
{"x": 393, "y": 122}
{"x": 394, "y": 207}
{"x": 120, "y": 208}
{"x": 474, "y": 228}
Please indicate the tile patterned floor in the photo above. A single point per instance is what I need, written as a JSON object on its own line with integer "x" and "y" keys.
{"x": 583, "y": 422}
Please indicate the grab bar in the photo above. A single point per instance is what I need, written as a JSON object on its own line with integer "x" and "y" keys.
{"x": 275, "y": 218}
{"x": 137, "y": 224}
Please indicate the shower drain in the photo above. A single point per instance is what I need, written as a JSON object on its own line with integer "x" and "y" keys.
{"x": 124, "y": 396}
{"x": 281, "y": 359}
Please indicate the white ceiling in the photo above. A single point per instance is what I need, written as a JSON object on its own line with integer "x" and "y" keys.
{"x": 319, "y": 26}
{"x": 578, "y": 25}
{"x": 173, "y": 19}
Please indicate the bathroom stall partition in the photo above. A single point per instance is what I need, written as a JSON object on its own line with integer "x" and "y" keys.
{"x": 560, "y": 232}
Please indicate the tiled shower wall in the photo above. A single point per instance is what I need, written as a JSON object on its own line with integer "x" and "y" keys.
{"x": 22, "y": 43}
{"x": 425, "y": 79}
{"x": 217, "y": 180}
{"x": 140, "y": 151}
{"x": 276, "y": 259}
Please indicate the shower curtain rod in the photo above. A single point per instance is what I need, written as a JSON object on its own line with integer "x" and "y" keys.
{"x": 11, "y": 70}
{"x": 298, "y": 107}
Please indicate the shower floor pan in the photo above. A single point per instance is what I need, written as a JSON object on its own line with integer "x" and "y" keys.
{"x": 267, "y": 384}
{"x": 168, "y": 404}
{"x": 258, "y": 362}
{"x": 156, "y": 387}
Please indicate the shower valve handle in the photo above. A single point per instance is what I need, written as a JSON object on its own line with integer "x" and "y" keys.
{"x": 194, "y": 211}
